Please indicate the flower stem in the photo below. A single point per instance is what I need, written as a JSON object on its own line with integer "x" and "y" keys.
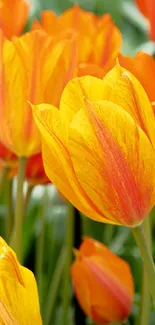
{"x": 3, "y": 177}
{"x": 40, "y": 242}
{"x": 9, "y": 218}
{"x": 19, "y": 209}
{"x": 143, "y": 245}
{"x": 145, "y": 294}
{"x": 66, "y": 280}
{"x": 28, "y": 196}
{"x": 54, "y": 288}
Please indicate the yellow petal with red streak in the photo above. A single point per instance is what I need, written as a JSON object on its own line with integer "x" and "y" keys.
{"x": 73, "y": 97}
{"x": 57, "y": 161}
{"x": 108, "y": 41}
{"x": 122, "y": 88}
{"x": 17, "y": 288}
{"x": 113, "y": 161}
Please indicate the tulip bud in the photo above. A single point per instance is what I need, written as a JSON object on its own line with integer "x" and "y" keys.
{"x": 102, "y": 282}
{"x": 13, "y": 16}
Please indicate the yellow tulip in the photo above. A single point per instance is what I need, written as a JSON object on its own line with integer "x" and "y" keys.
{"x": 98, "y": 147}
{"x": 29, "y": 66}
{"x": 19, "y": 303}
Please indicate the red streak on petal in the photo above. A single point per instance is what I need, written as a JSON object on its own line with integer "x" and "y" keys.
{"x": 33, "y": 92}
{"x": 131, "y": 203}
{"x": 136, "y": 104}
{"x": 116, "y": 289}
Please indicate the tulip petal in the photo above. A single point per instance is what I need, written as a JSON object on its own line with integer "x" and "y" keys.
{"x": 17, "y": 288}
{"x": 73, "y": 97}
{"x": 122, "y": 88}
{"x": 107, "y": 42}
{"x": 102, "y": 282}
{"x": 13, "y": 17}
{"x": 113, "y": 291}
{"x": 57, "y": 162}
{"x": 138, "y": 66}
{"x": 90, "y": 69}
{"x": 5, "y": 317}
{"x": 114, "y": 162}
{"x": 81, "y": 22}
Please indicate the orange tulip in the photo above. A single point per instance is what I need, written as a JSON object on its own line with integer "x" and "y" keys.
{"x": 29, "y": 68}
{"x": 147, "y": 7}
{"x": 13, "y": 16}
{"x": 35, "y": 173}
{"x": 98, "y": 147}
{"x": 98, "y": 41}
{"x": 19, "y": 303}
{"x": 102, "y": 282}
{"x": 143, "y": 67}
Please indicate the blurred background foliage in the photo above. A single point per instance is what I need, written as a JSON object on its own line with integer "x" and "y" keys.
{"x": 45, "y": 220}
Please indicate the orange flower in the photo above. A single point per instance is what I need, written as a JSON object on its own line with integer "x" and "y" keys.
{"x": 29, "y": 70}
{"x": 98, "y": 39}
{"x": 98, "y": 147}
{"x": 19, "y": 303}
{"x": 147, "y": 7}
{"x": 13, "y": 16}
{"x": 102, "y": 282}
{"x": 143, "y": 67}
{"x": 35, "y": 173}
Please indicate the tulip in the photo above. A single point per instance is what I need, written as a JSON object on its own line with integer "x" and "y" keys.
{"x": 98, "y": 41}
{"x": 28, "y": 73}
{"x": 19, "y": 303}
{"x": 13, "y": 16}
{"x": 102, "y": 282}
{"x": 30, "y": 65}
{"x": 97, "y": 147}
{"x": 35, "y": 173}
{"x": 138, "y": 65}
{"x": 147, "y": 8}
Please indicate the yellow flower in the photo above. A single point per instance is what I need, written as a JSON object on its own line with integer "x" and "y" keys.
{"x": 19, "y": 303}
{"x": 98, "y": 147}
{"x": 29, "y": 67}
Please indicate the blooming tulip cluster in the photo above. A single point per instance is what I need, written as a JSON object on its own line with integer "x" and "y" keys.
{"x": 76, "y": 112}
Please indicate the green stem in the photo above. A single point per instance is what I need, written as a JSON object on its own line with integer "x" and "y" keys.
{"x": 66, "y": 279}
{"x": 141, "y": 241}
{"x": 19, "y": 209}
{"x": 27, "y": 196}
{"x": 54, "y": 288}
{"x": 9, "y": 218}
{"x": 3, "y": 177}
{"x": 145, "y": 294}
{"x": 40, "y": 243}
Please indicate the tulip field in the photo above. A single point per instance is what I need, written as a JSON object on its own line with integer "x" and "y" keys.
{"x": 77, "y": 162}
